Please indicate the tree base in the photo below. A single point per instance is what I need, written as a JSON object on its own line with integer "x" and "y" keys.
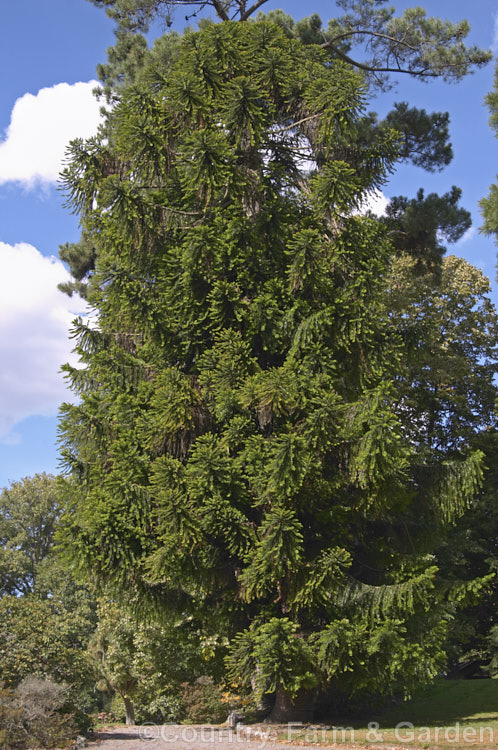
{"x": 298, "y": 708}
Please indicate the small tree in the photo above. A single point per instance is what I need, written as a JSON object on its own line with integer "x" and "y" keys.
{"x": 148, "y": 664}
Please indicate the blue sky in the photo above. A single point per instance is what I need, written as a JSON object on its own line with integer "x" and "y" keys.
{"x": 49, "y": 50}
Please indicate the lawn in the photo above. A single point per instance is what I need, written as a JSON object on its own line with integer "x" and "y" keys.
{"x": 455, "y": 714}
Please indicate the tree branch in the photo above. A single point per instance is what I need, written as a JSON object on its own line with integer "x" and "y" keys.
{"x": 220, "y": 10}
{"x": 295, "y": 124}
{"x": 375, "y": 69}
{"x": 250, "y": 11}
{"x": 371, "y": 33}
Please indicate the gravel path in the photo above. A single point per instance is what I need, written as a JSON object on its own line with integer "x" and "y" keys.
{"x": 182, "y": 737}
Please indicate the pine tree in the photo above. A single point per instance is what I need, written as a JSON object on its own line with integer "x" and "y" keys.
{"x": 489, "y": 205}
{"x": 236, "y": 443}
{"x": 411, "y": 43}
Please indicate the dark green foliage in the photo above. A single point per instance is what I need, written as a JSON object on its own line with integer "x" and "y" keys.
{"x": 472, "y": 545}
{"x": 237, "y": 448}
{"x": 425, "y": 136}
{"x": 417, "y": 226}
{"x": 80, "y": 257}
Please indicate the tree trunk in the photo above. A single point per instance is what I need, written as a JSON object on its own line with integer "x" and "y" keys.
{"x": 130, "y": 711}
{"x": 261, "y": 705}
{"x": 299, "y": 708}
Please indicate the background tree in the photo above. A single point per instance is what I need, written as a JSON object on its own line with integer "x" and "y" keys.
{"x": 411, "y": 43}
{"x": 418, "y": 227}
{"x": 472, "y": 548}
{"x": 147, "y": 663}
{"x": 489, "y": 205}
{"x": 446, "y": 401}
{"x": 50, "y": 628}
{"x": 37, "y": 638}
{"x": 237, "y": 447}
{"x": 28, "y": 514}
{"x": 46, "y": 618}
{"x": 445, "y": 384}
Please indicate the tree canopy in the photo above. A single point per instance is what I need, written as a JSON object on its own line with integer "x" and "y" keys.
{"x": 238, "y": 446}
{"x": 411, "y": 43}
{"x": 445, "y": 384}
{"x": 28, "y": 514}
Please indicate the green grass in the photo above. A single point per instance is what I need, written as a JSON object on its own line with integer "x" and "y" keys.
{"x": 456, "y": 714}
{"x": 447, "y": 701}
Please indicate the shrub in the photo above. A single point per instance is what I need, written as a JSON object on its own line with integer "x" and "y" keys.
{"x": 31, "y": 715}
{"x": 11, "y": 725}
{"x": 204, "y": 702}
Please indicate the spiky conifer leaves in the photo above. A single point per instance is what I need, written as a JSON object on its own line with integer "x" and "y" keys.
{"x": 236, "y": 442}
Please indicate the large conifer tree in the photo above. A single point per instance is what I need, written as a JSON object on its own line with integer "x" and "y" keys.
{"x": 236, "y": 448}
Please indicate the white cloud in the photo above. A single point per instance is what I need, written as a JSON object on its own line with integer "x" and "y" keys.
{"x": 469, "y": 235}
{"x": 40, "y": 129}
{"x": 494, "y": 45}
{"x": 34, "y": 321}
{"x": 376, "y": 202}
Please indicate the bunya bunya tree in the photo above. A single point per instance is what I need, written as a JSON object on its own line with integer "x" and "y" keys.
{"x": 238, "y": 450}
